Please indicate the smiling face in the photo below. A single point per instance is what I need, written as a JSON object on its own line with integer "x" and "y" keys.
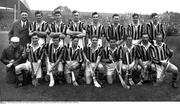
{"x": 24, "y": 16}
{"x": 35, "y": 39}
{"x": 38, "y": 17}
{"x": 95, "y": 18}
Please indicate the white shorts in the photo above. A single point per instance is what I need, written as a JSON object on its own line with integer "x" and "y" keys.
{"x": 161, "y": 68}
{"x": 27, "y": 66}
{"x": 125, "y": 67}
{"x": 50, "y": 65}
{"x": 90, "y": 67}
{"x": 75, "y": 64}
{"x": 110, "y": 68}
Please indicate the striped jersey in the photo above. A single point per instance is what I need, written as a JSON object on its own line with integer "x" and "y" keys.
{"x": 153, "y": 30}
{"x": 43, "y": 26}
{"x": 115, "y": 32}
{"x": 79, "y": 26}
{"x": 160, "y": 52}
{"x": 144, "y": 51}
{"x": 98, "y": 30}
{"x": 113, "y": 52}
{"x": 35, "y": 53}
{"x": 131, "y": 54}
{"x": 61, "y": 27}
{"x": 93, "y": 54}
{"x": 53, "y": 53}
{"x": 135, "y": 31}
{"x": 73, "y": 54}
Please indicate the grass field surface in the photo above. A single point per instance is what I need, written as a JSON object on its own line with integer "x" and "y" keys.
{"x": 113, "y": 92}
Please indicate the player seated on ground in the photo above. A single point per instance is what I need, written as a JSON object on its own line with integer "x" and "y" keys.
{"x": 145, "y": 63}
{"x": 160, "y": 57}
{"x": 129, "y": 61}
{"x": 111, "y": 59}
{"x": 33, "y": 54}
{"x": 11, "y": 58}
{"x": 94, "y": 69}
{"x": 73, "y": 61}
{"x": 54, "y": 61}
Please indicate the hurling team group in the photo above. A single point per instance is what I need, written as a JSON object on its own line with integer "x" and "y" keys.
{"x": 76, "y": 54}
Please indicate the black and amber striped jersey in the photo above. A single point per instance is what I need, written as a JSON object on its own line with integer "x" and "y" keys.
{"x": 113, "y": 52}
{"x": 128, "y": 53}
{"x": 135, "y": 31}
{"x": 98, "y": 30}
{"x": 153, "y": 30}
{"x": 74, "y": 54}
{"x": 53, "y": 53}
{"x": 144, "y": 51}
{"x": 79, "y": 26}
{"x": 42, "y": 27}
{"x": 160, "y": 52}
{"x": 34, "y": 54}
{"x": 61, "y": 27}
{"x": 92, "y": 54}
{"x": 116, "y": 32}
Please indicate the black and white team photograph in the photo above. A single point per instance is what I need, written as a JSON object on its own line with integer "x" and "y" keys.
{"x": 85, "y": 51}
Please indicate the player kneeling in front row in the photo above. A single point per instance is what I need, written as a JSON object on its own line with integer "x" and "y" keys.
{"x": 54, "y": 61}
{"x": 160, "y": 57}
{"x": 94, "y": 69}
{"x": 33, "y": 54}
{"x": 73, "y": 61}
{"x": 145, "y": 64}
{"x": 129, "y": 62}
{"x": 111, "y": 59}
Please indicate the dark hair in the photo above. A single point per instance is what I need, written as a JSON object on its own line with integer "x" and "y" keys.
{"x": 135, "y": 14}
{"x": 24, "y": 11}
{"x": 57, "y": 12}
{"x": 95, "y": 13}
{"x": 34, "y": 34}
{"x": 94, "y": 36}
{"x": 115, "y": 15}
{"x": 74, "y": 37}
{"x": 38, "y": 12}
{"x": 153, "y": 15}
{"x": 158, "y": 34}
{"x": 74, "y": 11}
{"x": 145, "y": 33}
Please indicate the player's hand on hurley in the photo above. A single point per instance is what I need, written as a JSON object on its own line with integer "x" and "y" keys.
{"x": 39, "y": 61}
{"x": 11, "y": 61}
{"x": 9, "y": 65}
{"x": 110, "y": 57}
